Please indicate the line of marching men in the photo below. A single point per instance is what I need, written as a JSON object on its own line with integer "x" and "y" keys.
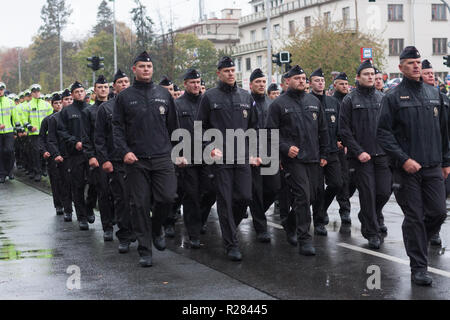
{"x": 329, "y": 147}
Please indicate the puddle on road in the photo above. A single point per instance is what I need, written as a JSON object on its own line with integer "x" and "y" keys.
{"x": 10, "y": 253}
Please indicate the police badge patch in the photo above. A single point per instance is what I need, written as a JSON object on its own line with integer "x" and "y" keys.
{"x": 162, "y": 110}
{"x": 314, "y": 116}
{"x": 245, "y": 114}
{"x": 333, "y": 119}
{"x": 436, "y": 112}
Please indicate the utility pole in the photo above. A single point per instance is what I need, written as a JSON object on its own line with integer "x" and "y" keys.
{"x": 269, "y": 45}
{"x": 115, "y": 37}
{"x": 61, "y": 86}
{"x": 20, "y": 69}
{"x": 201, "y": 6}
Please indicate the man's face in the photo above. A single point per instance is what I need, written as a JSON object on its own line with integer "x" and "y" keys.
{"x": 79, "y": 94}
{"x": 143, "y": 71}
{"x": 227, "y": 75}
{"x": 57, "y": 105}
{"x": 298, "y": 82}
{"x": 428, "y": 76}
{"x": 67, "y": 101}
{"x": 176, "y": 94}
{"x": 274, "y": 94}
{"x": 121, "y": 84}
{"x": 379, "y": 83}
{"x": 411, "y": 68}
{"x": 367, "y": 77}
{"x": 193, "y": 86}
{"x": 2, "y": 92}
{"x": 341, "y": 86}
{"x": 317, "y": 84}
{"x": 27, "y": 98}
{"x": 21, "y": 100}
{"x": 258, "y": 86}
{"x": 203, "y": 89}
{"x": 36, "y": 94}
{"x": 170, "y": 89}
{"x": 101, "y": 91}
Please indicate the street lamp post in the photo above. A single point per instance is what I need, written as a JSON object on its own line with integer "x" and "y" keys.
{"x": 269, "y": 45}
{"x": 114, "y": 31}
{"x": 20, "y": 69}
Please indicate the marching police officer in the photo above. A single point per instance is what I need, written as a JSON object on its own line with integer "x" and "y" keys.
{"x": 111, "y": 163}
{"x": 359, "y": 114}
{"x": 144, "y": 118}
{"x": 331, "y": 173}
{"x": 303, "y": 148}
{"x": 422, "y": 161}
{"x": 265, "y": 188}
{"x": 72, "y": 132}
{"x": 166, "y": 83}
{"x": 194, "y": 178}
{"x": 228, "y": 107}
{"x": 55, "y": 179}
{"x": 9, "y": 120}
{"x": 379, "y": 82}
{"x": 36, "y": 111}
{"x": 273, "y": 91}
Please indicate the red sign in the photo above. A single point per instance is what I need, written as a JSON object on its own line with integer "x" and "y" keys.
{"x": 366, "y": 54}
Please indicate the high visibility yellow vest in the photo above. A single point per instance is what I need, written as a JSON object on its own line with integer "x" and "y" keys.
{"x": 36, "y": 111}
{"x": 8, "y": 115}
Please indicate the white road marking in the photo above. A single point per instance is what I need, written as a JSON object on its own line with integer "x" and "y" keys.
{"x": 391, "y": 258}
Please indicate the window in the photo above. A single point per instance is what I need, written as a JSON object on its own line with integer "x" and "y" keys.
{"x": 291, "y": 27}
{"x": 253, "y": 35}
{"x": 395, "y": 12}
{"x": 327, "y": 18}
{"x": 248, "y": 64}
{"x": 259, "y": 61}
{"x": 264, "y": 33}
{"x": 438, "y": 12}
{"x": 307, "y": 23}
{"x": 439, "y": 46}
{"x": 239, "y": 64}
{"x": 395, "y": 47}
{"x": 346, "y": 15}
{"x": 276, "y": 30}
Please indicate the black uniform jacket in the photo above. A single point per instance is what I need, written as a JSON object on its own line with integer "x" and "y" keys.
{"x": 72, "y": 128}
{"x": 56, "y": 144}
{"x": 103, "y": 135}
{"x": 414, "y": 124}
{"x": 331, "y": 108}
{"x": 301, "y": 120}
{"x": 144, "y": 118}
{"x": 358, "y": 118}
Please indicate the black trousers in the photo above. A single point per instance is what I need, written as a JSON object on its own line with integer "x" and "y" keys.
{"x": 194, "y": 180}
{"x": 171, "y": 218}
{"x": 6, "y": 154}
{"x": 288, "y": 219}
{"x": 209, "y": 196}
{"x": 422, "y": 199}
{"x": 35, "y": 155}
{"x": 265, "y": 191}
{"x": 374, "y": 183}
{"x": 66, "y": 188}
{"x": 234, "y": 193}
{"x": 101, "y": 181}
{"x": 331, "y": 175}
{"x": 348, "y": 188}
{"x": 121, "y": 197}
{"x": 78, "y": 168}
{"x": 56, "y": 183}
{"x": 303, "y": 182}
{"x": 152, "y": 185}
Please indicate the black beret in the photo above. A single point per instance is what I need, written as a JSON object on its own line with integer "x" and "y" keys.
{"x": 203, "y": 83}
{"x": 101, "y": 80}
{"x": 66, "y": 93}
{"x": 119, "y": 75}
{"x": 75, "y": 86}
{"x": 426, "y": 64}
{"x": 342, "y": 76}
{"x": 175, "y": 88}
{"x": 273, "y": 87}
{"x": 294, "y": 72}
{"x": 257, "y": 73}
{"x": 56, "y": 97}
{"x": 365, "y": 65}
{"x": 28, "y": 93}
{"x": 165, "y": 82}
{"x": 144, "y": 56}
{"x": 377, "y": 71}
{"x": 225, "y": 62}
{"x": 191, "y": 74}
{"x": 410, "y": 52}
{"x": 317, "y": 73}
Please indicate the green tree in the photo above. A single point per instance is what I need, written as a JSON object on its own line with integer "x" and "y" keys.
{"x": 104, "y": 19}
{"x": 333, "y": 47}
{"x": 143, "y": 24}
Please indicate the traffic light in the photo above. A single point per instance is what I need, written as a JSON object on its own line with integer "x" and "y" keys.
{"x": 96, "y": 64}
{"x": 277, "y": 59}
{"x": 447, "y": 61}
{"x": 285, "y": 57}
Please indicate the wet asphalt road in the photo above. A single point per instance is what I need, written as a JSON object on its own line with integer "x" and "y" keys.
{"x": 37, "y": 248}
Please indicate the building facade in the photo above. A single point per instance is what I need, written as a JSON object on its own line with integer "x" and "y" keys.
{"x": 400, "y": 23}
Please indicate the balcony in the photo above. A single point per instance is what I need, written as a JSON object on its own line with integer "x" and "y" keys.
{"x": 277, "y": 11}
{"x": 249, "y": 48}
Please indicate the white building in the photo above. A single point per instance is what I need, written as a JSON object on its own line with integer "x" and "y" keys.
{"x": 422, "y": 23}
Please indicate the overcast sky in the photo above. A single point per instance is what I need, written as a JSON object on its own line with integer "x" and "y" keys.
{"x": 21, "y": 19}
